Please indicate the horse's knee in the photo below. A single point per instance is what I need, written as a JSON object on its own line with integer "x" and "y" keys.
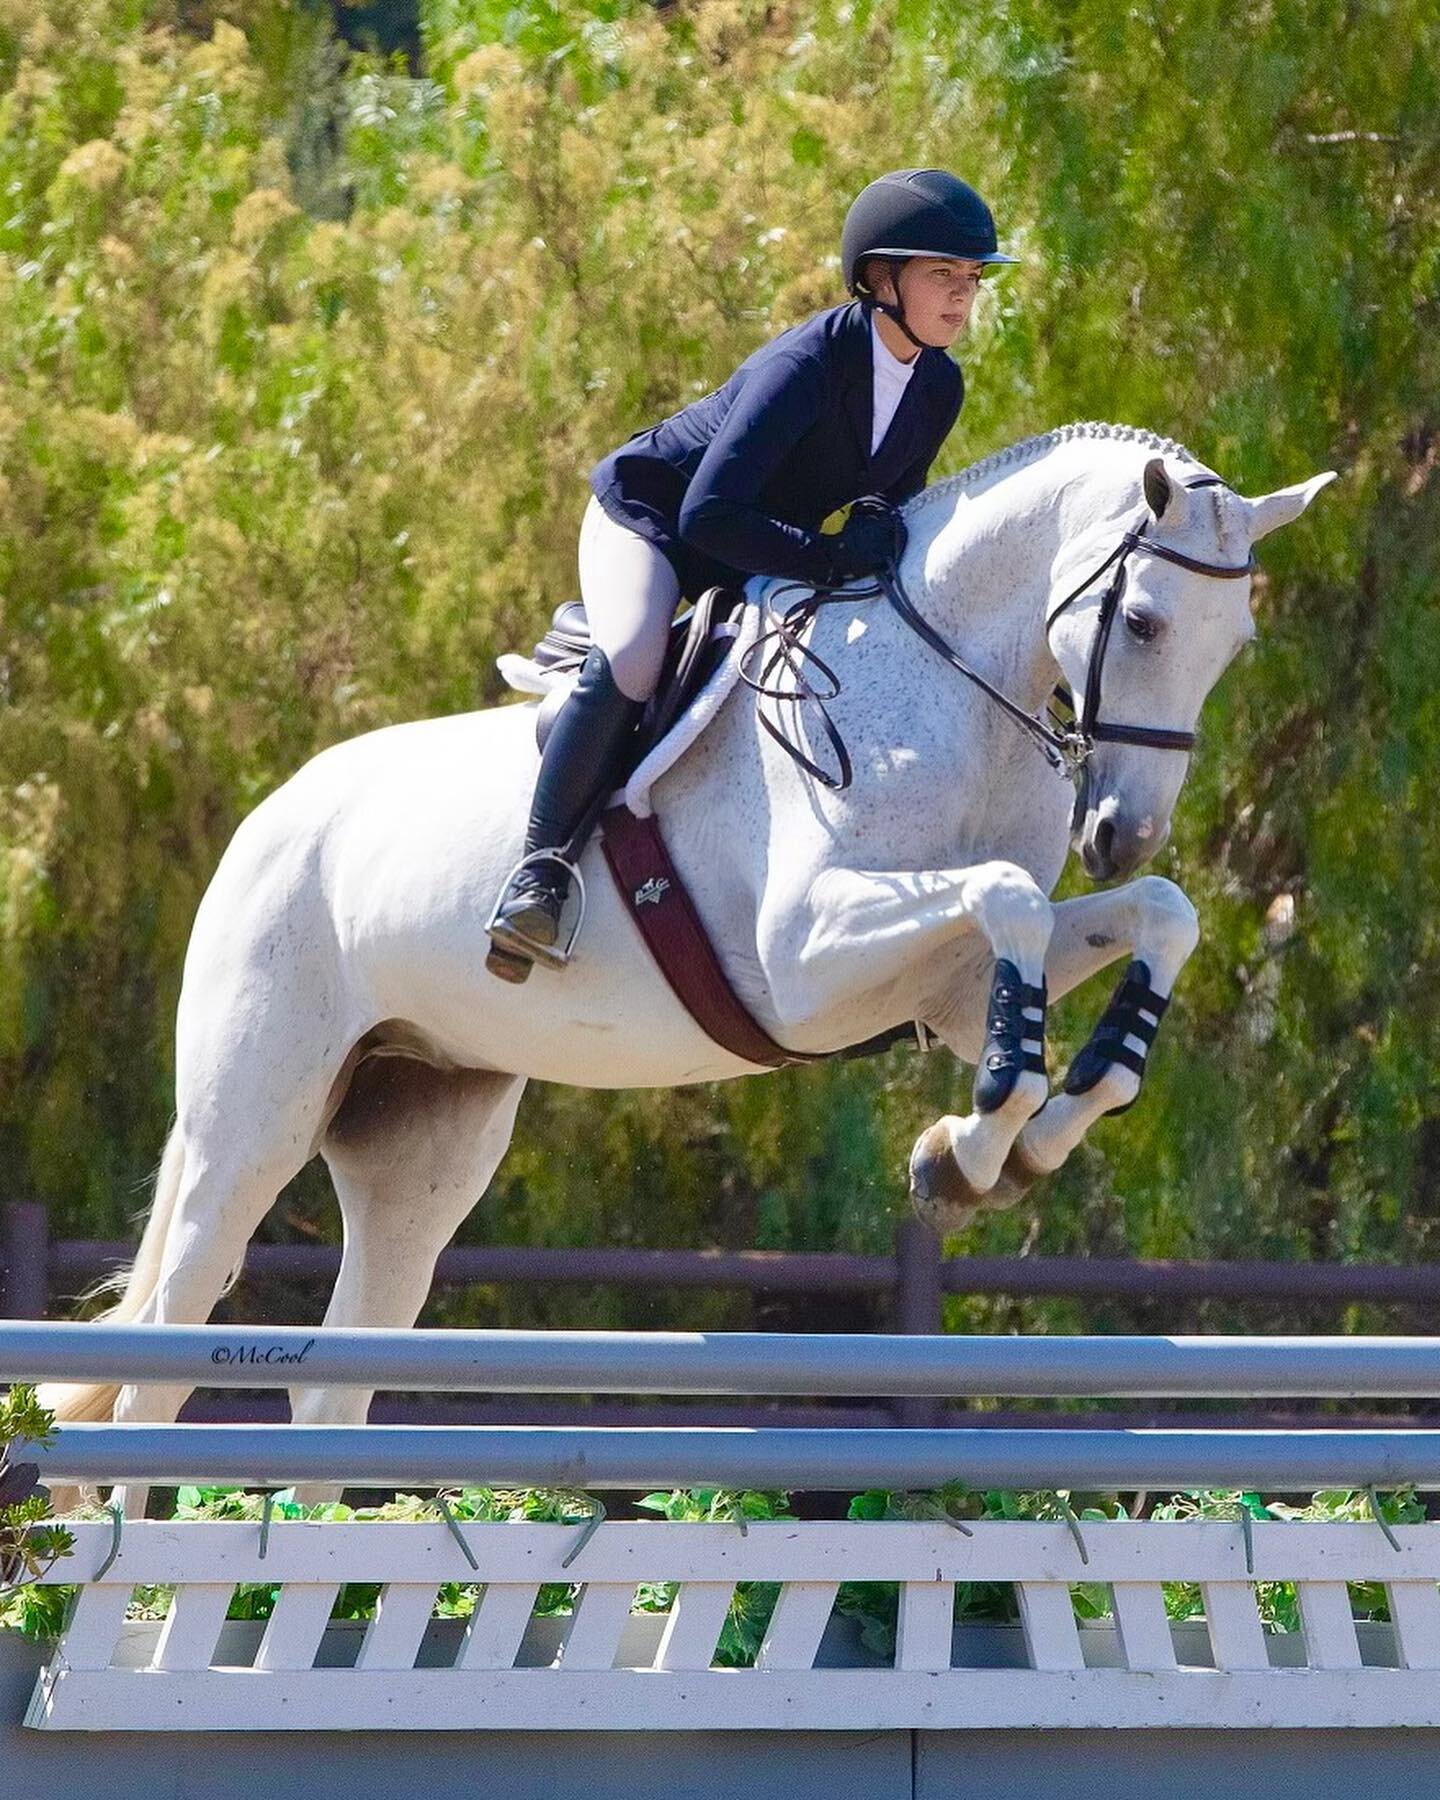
{"x": 1012, "y": 910}
{"x": 1166, "y": 916}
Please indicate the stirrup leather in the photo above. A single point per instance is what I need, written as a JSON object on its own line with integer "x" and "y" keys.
{"x": 502, "y": 932}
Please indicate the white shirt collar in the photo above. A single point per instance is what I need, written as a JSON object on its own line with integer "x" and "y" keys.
{"x": 886, "y": 357}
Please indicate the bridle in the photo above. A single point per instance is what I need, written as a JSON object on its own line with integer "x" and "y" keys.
{"x": 1089, "y": 729}
{"x": 1067, "y": 747}
{"x": 1071, "y": 747}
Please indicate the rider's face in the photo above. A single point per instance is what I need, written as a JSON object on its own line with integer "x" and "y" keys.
{"x": 938, "y": 292}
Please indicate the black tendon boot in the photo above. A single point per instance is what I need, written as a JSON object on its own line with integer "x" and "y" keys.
{"x": 577, "y": 766}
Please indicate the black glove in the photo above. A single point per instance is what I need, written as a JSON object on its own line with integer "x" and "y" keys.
{"x": 871, "y": 540}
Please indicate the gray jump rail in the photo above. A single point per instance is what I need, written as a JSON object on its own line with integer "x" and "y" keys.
{"x": 723, "y": 1362}
{"x": 731, "y": 1363}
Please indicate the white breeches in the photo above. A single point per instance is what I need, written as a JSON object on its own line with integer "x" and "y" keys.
{"x": 630, "y": 590}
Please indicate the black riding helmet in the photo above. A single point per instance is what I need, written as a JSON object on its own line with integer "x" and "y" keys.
{"x": 915, "y": 212}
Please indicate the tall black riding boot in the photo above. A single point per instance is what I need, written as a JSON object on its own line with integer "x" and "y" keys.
{"x": 580, "y": 761}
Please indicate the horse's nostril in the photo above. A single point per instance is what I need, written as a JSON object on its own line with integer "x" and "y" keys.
{"x": 1105, "y": 838}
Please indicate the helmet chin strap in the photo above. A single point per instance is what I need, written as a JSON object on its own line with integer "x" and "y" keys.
{"x": 897, "y": 313}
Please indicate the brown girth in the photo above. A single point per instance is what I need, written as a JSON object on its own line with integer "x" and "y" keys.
{"x": 658, "y": 902}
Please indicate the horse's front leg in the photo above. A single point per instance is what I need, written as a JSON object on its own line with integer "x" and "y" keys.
{"x": 868, "y": 930}
{"x": 1156, "y": 924}
{"x": 1154, "y": 921}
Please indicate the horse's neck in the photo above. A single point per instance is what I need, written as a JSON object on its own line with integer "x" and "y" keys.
{"x": 990, "y": 559}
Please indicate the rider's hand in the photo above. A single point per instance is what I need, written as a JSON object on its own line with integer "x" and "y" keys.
{"x": 871, "y": 540}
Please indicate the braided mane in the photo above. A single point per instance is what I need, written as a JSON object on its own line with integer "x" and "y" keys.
{"x": 1030, "y": 448}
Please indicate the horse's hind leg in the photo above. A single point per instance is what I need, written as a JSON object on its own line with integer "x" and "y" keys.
{"x": 410, "y": 1151}
{"x": 252, "y": 1093}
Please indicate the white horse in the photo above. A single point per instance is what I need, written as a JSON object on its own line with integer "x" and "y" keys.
{"x": 335, "y": 997}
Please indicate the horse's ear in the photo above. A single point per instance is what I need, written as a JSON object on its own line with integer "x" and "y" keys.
{"x": 1158, "y": 488}
{"x": 1271, "y": 511}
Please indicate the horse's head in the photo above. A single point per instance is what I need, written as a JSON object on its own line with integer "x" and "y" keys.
{"x": 1183, "y": 612}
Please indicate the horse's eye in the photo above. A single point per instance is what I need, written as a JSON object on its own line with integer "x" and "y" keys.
{"x": 1142, "y": 625}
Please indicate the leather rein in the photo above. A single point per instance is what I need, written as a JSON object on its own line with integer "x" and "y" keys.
{"x": 1068, "y": 748}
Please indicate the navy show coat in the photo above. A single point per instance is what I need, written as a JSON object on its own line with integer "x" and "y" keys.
{"x": 742, "y": 478}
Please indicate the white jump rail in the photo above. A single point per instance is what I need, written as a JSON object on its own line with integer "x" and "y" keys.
{"x": 616, "y": 1668}
{"x": 609, "y": 1676}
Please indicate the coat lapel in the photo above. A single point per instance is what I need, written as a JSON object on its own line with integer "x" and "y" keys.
{"x": 859, "y": 380}
{"x": 900, "y": 444}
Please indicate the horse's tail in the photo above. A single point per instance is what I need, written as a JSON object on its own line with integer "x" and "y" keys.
{"x": 94, "y": 1402}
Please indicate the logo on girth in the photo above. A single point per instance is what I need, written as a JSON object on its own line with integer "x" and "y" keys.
{"x": 653, "y": 891}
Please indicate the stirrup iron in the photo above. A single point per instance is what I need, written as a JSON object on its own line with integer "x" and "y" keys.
{"x": 507, "y": 939}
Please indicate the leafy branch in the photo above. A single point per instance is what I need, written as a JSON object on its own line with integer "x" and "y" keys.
{"x": 29, "y": 1547}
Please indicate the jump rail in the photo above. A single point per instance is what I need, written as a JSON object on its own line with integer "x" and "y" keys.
{"x": 722, "y": 1362}
{"x": 613, "y": 1666}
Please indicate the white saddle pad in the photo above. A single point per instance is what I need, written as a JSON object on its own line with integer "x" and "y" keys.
{"x": 523, "y": 675}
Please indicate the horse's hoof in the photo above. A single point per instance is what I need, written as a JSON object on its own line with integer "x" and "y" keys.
{"x": 943, "y": 1199}
{"x": 1017, "y": 1177}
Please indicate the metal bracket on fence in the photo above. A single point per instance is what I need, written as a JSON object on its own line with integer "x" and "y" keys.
{"x": 267, "y": 1504}
{"x": 452, "y": 1525}
{"x": 1074, "y": 1525}
{"x": 1247, "y": 1531}
{"x": 1380, "y": 1519}
{"x": 117, "y": 1526}
{"x": 737, "y": 1518}
{"x": 587, "y": 1530}
{"x": 938, "y": 1511}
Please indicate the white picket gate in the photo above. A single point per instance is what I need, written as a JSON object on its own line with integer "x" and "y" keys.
{"x": 611, "y": 1666}
{"x": 610, "y": 1674}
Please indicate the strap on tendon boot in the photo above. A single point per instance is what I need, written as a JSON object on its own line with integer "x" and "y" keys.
{"x": 1014, "y": 1044}
{"x": 578, "y": 767}
{"x": 1135, "y": 1011}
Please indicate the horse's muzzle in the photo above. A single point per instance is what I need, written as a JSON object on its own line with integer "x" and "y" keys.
{"x": 1113, "y": 846}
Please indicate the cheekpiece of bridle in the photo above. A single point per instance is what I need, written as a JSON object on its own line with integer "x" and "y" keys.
{"x": 1068, "y": 746}
{"x": 1089, "y": 729}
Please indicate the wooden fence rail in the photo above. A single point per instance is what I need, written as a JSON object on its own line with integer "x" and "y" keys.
{"x": 39, "y": 1273}
{"x": 33, "y": 1266}
{"x": 615, "y": 1668}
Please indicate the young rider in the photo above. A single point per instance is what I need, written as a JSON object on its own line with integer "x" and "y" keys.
{"x": 853, "y": 402}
